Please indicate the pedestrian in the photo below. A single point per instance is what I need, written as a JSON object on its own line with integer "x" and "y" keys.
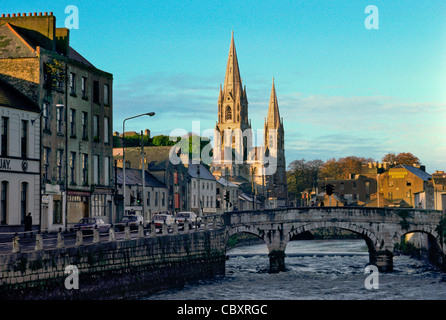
{"x": 28, "y": 223}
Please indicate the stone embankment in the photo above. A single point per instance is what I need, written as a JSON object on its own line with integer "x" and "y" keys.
{"x": 112, "y": 269}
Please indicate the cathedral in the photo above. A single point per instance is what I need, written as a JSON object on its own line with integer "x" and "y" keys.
{"x": 261, "y": 168}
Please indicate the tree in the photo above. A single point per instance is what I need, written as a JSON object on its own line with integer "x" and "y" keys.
{"x": 352, "y": 165}
{"x": 331, "y": 169}
{"x": 303, "y": 175}
{"x": 405, "y": 158}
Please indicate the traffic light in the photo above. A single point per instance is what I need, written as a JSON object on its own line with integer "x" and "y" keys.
{"x": 138, "y": 198}
{"x": 132, "y": 199}
{"x": 329, "y": 189}
{"x": 227, "y": 196}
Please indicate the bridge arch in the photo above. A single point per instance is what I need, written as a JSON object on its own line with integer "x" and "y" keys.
{"x": 433, "y": 243}
{"x": 373, "y": 242}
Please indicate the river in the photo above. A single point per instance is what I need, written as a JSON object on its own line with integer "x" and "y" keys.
{"x": 316, "y": 270}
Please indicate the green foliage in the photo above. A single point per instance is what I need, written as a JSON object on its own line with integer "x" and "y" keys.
{"x": 404, "y": 215}
{"x": 407, "y": 248}
{"x": 54, "y": 72}
{"x": 303, "y": 175}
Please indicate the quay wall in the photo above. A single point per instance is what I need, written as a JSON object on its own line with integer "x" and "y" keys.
{"x": 115, "y": 269}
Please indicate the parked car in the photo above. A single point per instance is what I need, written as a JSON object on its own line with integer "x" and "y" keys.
{"x": 161, "y": 218}
{"x": 88, "y": 224}
{"x": 133, "y": 221}
{"x": 188, "y": 217}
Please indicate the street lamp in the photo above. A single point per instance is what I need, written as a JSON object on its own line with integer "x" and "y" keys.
{"x": 150, "y": 114}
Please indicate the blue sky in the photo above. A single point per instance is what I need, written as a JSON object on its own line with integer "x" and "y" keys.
{"x": 343, "y": 89}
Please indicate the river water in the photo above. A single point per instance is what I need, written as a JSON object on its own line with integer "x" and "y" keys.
{"x": 316, "y": 270}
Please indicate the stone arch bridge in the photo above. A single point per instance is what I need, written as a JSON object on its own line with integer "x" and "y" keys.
{"x": 381, "y": 228}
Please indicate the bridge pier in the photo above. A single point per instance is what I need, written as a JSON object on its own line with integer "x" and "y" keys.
{"x": 276, "y": 261}
{"x": 383, "y": 260}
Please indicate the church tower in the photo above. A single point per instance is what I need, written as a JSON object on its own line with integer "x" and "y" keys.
{"x": 232, "y": 131}
{"x": 274, "y": 143}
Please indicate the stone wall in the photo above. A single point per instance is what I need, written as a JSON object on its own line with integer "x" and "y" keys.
{"x": 116, "y": 269}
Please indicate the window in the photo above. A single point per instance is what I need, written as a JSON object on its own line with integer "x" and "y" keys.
{"x": 96, "y": 169}
{"x": 228, "y": 113}
{"x": 84, "y": 87}
{"x": 96, "y": 91}
{"x": 148, "y": 198}
{"x": 84, "y": 168}
{"x": 72, "y": 122}
{"x": 163, "y": 200}
{"x": 106, "y": 95}
{"x": 408, "y": 183}
{"x": 195, "y": 201}
{"x": 59, "y": 119}
{"x": 72, "y": 83}
{"x": 46, "y": 117}
{"x": 59, "y": 165}
{"x": 4, "y": 138}
{"x": 57, "y": 212}
{"x": 46, "y": 164}
{"x": 73, "y": 168}
{"x": 106, "y": 130}
{"x": 96, "y": 127}
{"x": 4, "y": 202}
{"x": 84, "y": 125}
{"x": 156, "y": 199}
{"x": 107, "y": 171}
{"x": 24, "y": 139}
{"x": 23, "y": 201}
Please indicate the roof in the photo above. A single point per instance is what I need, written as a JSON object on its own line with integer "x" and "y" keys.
{"x": 134, "y": 177}
{"x": 204, "y": 172}
{"x": 10, "y": 97}
{"x": 419, "y": 173}
{"x": 73, "y": 54}
{"x": 13, "y": 44}
{"x": 227, "y": 183}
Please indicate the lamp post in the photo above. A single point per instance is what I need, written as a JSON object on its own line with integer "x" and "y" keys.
{"x": 150, "y": 114}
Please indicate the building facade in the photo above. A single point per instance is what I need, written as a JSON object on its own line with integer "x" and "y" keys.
{"x": 157, "y": 162}
{"x": 145, "y": 199}
{"x": 203, "y": 190}
{"x": 19, "y": 160}
{"x": 75, "y": 102}
{"x": 402, "y": 182}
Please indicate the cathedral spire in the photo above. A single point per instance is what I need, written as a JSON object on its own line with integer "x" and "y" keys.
{"x": 273, "y": 119}
{"x": 233, "y": 81}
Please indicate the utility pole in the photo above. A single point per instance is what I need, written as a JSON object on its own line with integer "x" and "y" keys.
{"x": 143, "y": 197}
{"x": 199, "y": 190}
